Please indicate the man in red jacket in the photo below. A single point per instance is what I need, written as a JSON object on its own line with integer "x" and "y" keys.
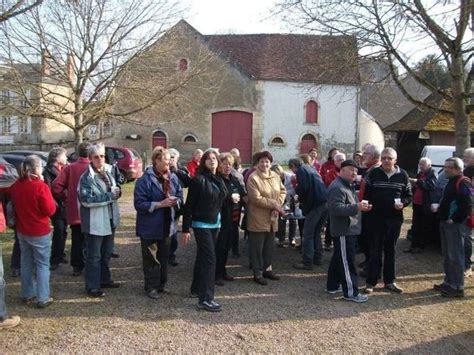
{"x": 65, "y": 187}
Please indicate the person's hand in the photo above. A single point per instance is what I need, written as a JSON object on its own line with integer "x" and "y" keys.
{"x": 364, "y": 207}
{"x": 398, "y": 206}
{"x": 168, "y": 202}
{"x": 185, "y": 238}
{"x": 116, "y": 192}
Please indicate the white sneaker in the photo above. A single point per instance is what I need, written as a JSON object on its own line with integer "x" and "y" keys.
{"x": 360, "y": 298}
{"x": 10, "y": 322}
{"x": 468, "y": 273}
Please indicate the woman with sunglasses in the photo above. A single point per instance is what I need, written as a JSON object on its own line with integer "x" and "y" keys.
{"x": 98, "y": 193}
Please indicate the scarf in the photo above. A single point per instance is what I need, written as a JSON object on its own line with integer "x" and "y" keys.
{"x": 164, "y": 179}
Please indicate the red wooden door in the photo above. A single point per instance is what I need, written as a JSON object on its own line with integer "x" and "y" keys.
{"x": 233, "y": 129}
{"x": 308, "y": 142}
{"x": 159, "y": 139}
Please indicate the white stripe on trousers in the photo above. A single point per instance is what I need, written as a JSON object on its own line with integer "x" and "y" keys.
{"x": 347, "y": 274}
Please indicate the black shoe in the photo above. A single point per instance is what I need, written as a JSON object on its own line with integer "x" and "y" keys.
{"x": 76, "y": 271}
{"x": 270, "y": 275}
{"x": 110, "y": 285}
{"x": 452, "y": 293}
{"x": 301, "y": 266}
{"x": 209, "y": 306}
{"x": 96, "y": 292}
{"x": 115, "y": 255}
{"x": 228, "y": 278}
{"x": 440, "y": 287}
{"x": 173, "y": 262}
{"x": 153, "y": 294}
{"x": 260, "y": 281}
{"x": 63, "y": 260}
{"x": 393, "y": 287}
{"x": 45, "y": 304}
{"x": 53, "y": 267}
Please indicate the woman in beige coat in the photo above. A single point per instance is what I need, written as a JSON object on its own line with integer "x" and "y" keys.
{"x": 266, "y": 195}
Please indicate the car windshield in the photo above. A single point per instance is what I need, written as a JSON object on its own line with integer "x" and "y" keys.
{"x": 135, "y": 154}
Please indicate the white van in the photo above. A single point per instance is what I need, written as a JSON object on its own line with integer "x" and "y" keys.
{"x": 438, "y": 154}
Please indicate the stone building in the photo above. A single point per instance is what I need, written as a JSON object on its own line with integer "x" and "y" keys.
{"x": 282, "y": 92}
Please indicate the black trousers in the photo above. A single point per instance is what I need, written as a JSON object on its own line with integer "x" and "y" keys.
{"x": 223, "y": 244}
{"x": 205, "y": 264}
{"x": 342, "y": 269}
{"x": 77, "y": 247}
{"x": 382, "y": 240}
{"x": 363, "y": 238}
{"x": 173, "y": 246}
{"x": 235, "y": 237}
{"x": 58, "y": 243}
{"x": 155, "y": 254}
{"x": 422, "y": 227}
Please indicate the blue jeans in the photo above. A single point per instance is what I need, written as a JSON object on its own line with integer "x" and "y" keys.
{"x": 452, "y": 247}
{"x": 35, "y": 254}
{"x": 99, "y": 252}
{"x": 314, "y": 222}
{"x": 3, "y": 306}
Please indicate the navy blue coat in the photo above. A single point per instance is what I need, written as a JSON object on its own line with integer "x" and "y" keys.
{"x": 311, "y": 190}
{"x": 148, "y": 190}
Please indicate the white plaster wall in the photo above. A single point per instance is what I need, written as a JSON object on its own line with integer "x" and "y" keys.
{"x": 284, "y": 114}
{"x": 370, "y": 131}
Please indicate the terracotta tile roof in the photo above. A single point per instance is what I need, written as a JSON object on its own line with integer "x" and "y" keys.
{"x": 289, "y": 57}
{"x": 427, "y": 120}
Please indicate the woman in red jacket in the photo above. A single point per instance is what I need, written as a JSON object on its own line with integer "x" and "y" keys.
{"x": 33, "y": 205}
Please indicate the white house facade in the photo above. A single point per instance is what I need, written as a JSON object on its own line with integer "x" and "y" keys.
{"x": 285, "y": 117}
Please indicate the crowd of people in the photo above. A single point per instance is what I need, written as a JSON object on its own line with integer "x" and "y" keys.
{"x": 358, "y": 202}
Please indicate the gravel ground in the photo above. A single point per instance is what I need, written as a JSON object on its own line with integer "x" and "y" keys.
{"x": 293, "y": 315}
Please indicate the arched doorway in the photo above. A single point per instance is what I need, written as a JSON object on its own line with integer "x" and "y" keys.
{"x": 159, "y": 139}
{"x": 308, "y": 142}
{"x": 233, "y": 129}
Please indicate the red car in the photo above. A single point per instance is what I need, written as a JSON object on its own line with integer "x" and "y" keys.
{"x": 127, "y": 159}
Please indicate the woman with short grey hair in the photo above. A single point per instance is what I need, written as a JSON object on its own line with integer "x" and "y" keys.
{"x": 97, "y": 194}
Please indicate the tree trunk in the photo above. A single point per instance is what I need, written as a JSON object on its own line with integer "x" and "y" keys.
{"x": 461, "y": 118}
{"x": 78, "y": 136}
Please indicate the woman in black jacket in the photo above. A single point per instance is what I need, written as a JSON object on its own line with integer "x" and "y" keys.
{"x": 206, "y": 195}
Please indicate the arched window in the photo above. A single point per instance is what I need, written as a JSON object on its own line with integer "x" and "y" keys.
{"x": 277, "y": 140}
{"x": 311, "y": 112}
{"x": 183, "y": 65}
{"x": 189, "y": 138}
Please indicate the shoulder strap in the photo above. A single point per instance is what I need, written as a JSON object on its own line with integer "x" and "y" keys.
{"x": 459, "y": 180}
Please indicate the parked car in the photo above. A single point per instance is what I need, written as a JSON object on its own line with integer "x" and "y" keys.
{"x": 128, "y": 162}
{"x": 438, "y": 154}
{"x": 15, "y": 157}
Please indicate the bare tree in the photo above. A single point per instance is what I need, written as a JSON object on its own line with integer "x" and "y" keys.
{"x": 11, "y": 9}
{"x": 397, "y": 31}
{"x": 86, "y": 49}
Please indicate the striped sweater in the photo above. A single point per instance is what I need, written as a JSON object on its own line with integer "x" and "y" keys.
{"x": 382, "y": 190}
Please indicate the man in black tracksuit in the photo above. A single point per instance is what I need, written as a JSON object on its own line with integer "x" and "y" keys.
{"x": 388, "y": 190}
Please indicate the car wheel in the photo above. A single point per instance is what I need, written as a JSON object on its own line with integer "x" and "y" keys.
{"x": 121, "y": 178}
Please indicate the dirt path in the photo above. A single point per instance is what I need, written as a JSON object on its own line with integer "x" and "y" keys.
{"x": 292, "y": 315}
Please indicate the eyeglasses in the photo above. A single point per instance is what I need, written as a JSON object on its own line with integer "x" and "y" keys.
{"x": 102, "y": 156}
{"x": 387, "y": 158}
